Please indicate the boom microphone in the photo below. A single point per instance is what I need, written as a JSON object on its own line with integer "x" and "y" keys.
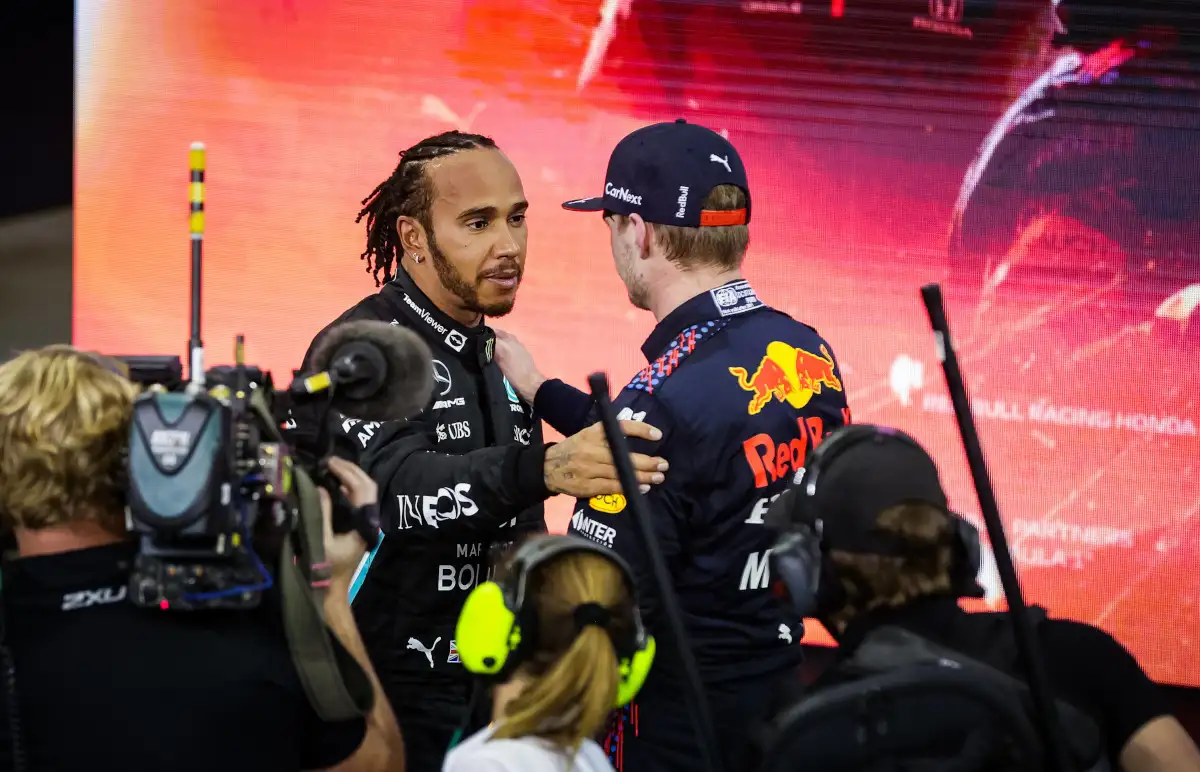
{"x": 376, "y": 371}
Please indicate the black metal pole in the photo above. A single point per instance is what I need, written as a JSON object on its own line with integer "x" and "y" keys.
{"x": 1026, "y": 636}
{"x": 697, "y": 701}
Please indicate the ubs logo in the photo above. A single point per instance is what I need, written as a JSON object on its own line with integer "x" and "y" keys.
{"x": 950, "y": 11}
{"x": 454, "y": 430}
{"x": 441, "y": 377}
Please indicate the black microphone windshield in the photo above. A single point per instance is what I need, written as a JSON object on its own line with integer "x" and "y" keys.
{"x": 382, "y": 372}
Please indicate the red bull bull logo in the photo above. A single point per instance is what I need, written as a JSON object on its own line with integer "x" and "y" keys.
{"x": 788, "y": 374}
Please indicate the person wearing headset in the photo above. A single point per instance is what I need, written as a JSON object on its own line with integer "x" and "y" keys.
{"x": 560, "y": 635}
{"x": 867, "y": 540}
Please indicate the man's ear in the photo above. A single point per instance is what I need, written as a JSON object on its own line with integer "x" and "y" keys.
{"x": 412, "y": 235}
{"x": 643, "y": 234}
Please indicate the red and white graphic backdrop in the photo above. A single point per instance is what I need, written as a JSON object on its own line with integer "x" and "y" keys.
{"x": 304, "y": 105}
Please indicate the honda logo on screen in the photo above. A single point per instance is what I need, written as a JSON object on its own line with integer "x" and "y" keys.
{"x": 950, "y": 11}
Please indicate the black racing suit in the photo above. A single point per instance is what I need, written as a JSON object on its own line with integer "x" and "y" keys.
{"x": 741, "y": 392}
{"x": 455, "y": 481}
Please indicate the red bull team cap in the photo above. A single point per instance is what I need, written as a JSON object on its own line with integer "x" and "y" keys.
{"x": 663, "y": 172}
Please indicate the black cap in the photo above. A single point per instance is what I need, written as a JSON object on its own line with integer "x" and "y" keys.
{"x": 664, "y": 172}
{"x": 888, "y": 469}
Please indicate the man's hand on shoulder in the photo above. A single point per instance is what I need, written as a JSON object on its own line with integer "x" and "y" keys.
{"x": 517, "y": 365}
{"x": 582, "y": 465}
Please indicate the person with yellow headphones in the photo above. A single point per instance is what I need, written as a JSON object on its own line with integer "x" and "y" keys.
{"x": 560, "y": 635}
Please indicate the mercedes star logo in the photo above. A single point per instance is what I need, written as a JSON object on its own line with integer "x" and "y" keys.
{"x": 441, "y": 376}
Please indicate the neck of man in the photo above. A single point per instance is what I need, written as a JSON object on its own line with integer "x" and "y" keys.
{"x": 427, "y": 280}
{"x": 685, "y": 285}
{"x": 64, "y": 538}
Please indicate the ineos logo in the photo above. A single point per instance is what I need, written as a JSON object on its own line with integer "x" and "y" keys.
{"x": 441, "y": 376}
{"x": 946, "y": 10}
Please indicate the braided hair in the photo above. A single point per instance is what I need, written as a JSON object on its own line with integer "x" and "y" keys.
{"x": 408, "y": 193}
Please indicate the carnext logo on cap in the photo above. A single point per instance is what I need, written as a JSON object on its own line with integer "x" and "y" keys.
{"x": 621, "y": 194}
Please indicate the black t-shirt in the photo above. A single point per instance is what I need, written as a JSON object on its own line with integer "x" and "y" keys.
{"x": 1087, "y": 667}
{"x": 103, "y": 684}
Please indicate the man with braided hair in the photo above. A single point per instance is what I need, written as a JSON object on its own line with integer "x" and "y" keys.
{"x": 446, "y": 241}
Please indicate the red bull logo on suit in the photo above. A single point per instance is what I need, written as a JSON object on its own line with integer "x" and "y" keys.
{"x": 788, "y": 374}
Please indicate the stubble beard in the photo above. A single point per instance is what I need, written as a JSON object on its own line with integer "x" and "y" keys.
{"x": 456, "y": 284}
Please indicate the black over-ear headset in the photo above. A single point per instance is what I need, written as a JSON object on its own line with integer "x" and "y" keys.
{"x": 498, "y": 627}
{"x": 799, "y": 560}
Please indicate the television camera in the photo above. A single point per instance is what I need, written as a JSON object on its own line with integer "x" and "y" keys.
{"x": 213, "y": 485}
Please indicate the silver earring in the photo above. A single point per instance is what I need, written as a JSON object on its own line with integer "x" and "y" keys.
{"x": 416, "y": 258}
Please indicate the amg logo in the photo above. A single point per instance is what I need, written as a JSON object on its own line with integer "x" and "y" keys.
{"x": 366, "y": 432}
{"x": 442, "y": 404}
{"x": 621, "y": 194}
{"x": 73, "y": 601}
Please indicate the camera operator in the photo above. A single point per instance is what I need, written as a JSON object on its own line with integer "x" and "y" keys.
{"x": 446, "y": 239}
{"x": 93, "y": 681}
{"x": 890, "y": 554}
{"x": 586, "y": 654}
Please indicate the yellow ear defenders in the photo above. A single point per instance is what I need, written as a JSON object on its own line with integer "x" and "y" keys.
{"x": 496, "y": 629}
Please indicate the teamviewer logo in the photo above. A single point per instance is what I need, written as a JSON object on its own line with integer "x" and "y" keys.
{"x": 456, "y": 340}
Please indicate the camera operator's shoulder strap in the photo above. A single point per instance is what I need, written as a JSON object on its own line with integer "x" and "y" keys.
{"x": 337, "y": 686}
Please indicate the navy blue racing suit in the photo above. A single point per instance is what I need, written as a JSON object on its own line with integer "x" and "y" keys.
{"x": 741, "y": 392}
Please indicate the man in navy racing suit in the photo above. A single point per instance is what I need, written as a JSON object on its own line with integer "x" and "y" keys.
{"x": 741, "y": 392}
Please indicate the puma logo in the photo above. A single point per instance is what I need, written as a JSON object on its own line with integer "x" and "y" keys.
{"x": 719, "y": 160}
{"x": 415, "y": 645}
{"x": 785, "y": 633}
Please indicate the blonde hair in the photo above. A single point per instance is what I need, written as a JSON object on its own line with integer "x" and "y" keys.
{"x": 709, "y": 246}
{"x": 880, "y": 581}
{"x": 64, "y": 424}
{"x": 719, "y": 246}
{"x": 572, "y": 677}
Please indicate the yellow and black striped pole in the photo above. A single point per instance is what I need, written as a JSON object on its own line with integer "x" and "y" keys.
{"x": 197, "y": 163}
